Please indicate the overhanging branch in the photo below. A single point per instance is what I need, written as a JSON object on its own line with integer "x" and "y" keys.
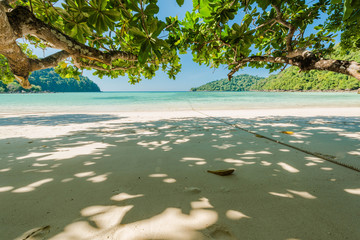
{"x": 48, "y": 62}
{"x": 246, "y": 60}
{"x": 26, "y": 23}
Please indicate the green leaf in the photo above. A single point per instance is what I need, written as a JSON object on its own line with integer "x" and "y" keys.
{"x": 151, "y": 9}
{"x": 157, "y": 53}
{"x": 89, "y": 10}
{"x": 103, "y": 4}
{"x": 160, "y": 26}
{"x": 112, "y": 14}
{"x": 144, "y": 52}
{"x": 93, "y": 19}
{"x": 180, "y": 2}
{"x": 347, "y": 9}
{"x": 204, "y": 8}
{"x": 133, "y": 6}
{"x": 137, "y": 32}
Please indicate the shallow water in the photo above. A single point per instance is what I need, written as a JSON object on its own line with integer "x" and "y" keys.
{"x": 173, "y": 101}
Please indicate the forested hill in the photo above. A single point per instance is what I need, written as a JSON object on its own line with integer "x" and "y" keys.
{"x": 238, "y": 83}
{"x": 48, "y": 81}
{"x": 291, "y": 80}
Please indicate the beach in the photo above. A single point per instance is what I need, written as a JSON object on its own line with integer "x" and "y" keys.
{"x": 143, "y": 175}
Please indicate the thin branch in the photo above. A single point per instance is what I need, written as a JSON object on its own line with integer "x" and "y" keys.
{"x": 266, "y": 23}
{"x": 283, "y": 22}
{"x": 246, "y": 60}
{"x": 62, "y": 16}
{"x": 48, "y": 62}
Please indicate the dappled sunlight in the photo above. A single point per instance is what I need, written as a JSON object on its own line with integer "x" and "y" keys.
{"x": 142, "y": 180}
{"x": 169, "y": 180}
{"x": 253, "y": 153}
{"x": 294, "y": 141}
{"x": 278, "y": 124}
{"x": 99, "y": 178}
{"x": 288, "y": 167}
{"x": 6, "y": 188}
{"x": 235, "y": 215}
{"x": 180, "y": 141}
{"x": 153, "y": 145}
{"x": 355, "y": 152}
{"x": 355, "y": 191}
{"x": 89, "y": 163}
{"x": 124, "y": 196}
{"x": 72, "y": 152}
{"x": 351, "y": 135}
{"x": 84, "y": 174}
{"x": 32, "y": 186}
{"x": 291, "y": 193}
{"x": 67, "y": 180}
{"x": 202, "y": 203}
{"x": 237, "y": 162}
{"x": 196, "y": 161}
{"x": 302, "y": 194}
{"x": 170, "y": 224}
{"x": 283, "y": 195}
{"x": 326, "y": 168}
{"x": 158, "y": 175}
{"x": 224, "y": 146}
{"x": 106, "y": 217}
{"x": 326, "y": 129}
{"x": 284, "y": 150}
{"x": 314, "y": 159}
{"x": 266, "y": 163}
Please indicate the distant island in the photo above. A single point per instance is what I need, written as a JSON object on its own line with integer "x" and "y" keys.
{"x": 291, "y": 80}
{"x": 238, "y": 83}
{"x": 48, "y": 80}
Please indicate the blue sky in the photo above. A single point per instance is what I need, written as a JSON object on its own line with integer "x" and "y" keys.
{"x": 191, "y": 75}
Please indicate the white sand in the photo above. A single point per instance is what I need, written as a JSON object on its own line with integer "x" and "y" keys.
{"x": 143, "y": 175}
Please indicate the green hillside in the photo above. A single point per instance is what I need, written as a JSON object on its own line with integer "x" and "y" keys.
{"x": 48, "y": 81}
{"x": 291, "y": 80}
{"x": 238, "y": 83}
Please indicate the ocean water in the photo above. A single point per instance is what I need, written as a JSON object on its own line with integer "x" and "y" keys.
{"x": 170, "y": 101}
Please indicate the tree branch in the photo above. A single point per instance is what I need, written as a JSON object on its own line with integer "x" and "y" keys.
{"x": 307, "y": 61}
{"x": 26, "y": 23}
{"x": 48, "y": 62}
{"x": 18, "y": 61}
{"x": 243, "y": 61}
{"x": 266, "y": 23}
{"x": 21, "y": 21}
{"x": 283, "y": 22}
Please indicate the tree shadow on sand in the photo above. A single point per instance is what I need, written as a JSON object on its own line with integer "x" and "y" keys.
{"x": 136, "y": 180}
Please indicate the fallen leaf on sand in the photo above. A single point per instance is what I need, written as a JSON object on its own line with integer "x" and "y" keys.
{"x": 287, "y": 132}
{"x": 224, "y": 172}
{"x": 259, "y": 136}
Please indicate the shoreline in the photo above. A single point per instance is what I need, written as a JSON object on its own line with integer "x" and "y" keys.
{"x": 243, "y": 113}
{"x": 319, "y": 91}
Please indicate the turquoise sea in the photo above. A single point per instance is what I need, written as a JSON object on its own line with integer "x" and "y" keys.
{"x": 165, "y": 101}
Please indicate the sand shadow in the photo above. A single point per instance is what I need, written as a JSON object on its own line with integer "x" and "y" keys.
{"x": 136, "y": 180}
